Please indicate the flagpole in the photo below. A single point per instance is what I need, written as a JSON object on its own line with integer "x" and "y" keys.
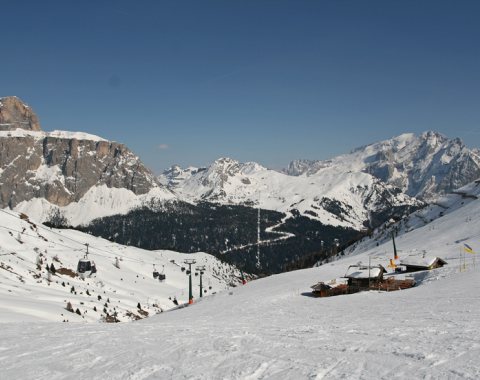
{"x": 460, "y": 263}
{"x": 462, "y": 259}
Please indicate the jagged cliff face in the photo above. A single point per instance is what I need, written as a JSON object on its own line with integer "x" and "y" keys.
{"x": 60, "y": 166}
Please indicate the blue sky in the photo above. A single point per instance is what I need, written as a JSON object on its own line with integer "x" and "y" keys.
{"x": 269, "y": 81}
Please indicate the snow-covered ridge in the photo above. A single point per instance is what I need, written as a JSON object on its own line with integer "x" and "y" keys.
{"x": 57, "y": 134}
{"x": 98, "y": 202}
{"x": 423, "y": 166}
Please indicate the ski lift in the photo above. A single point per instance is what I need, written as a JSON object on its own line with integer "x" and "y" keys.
{"x": 155, "y": 272}
{"x": 183, "y": 269}
{"x": 162, "y": 276}
{"x": 86, "y": 267}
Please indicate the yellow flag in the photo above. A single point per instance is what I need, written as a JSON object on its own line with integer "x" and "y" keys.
{"x": 392, "y": 264}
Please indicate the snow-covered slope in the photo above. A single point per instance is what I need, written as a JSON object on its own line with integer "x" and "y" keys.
{"x": 424, "y": 166}
{"x": 463, "y": 201}
{"x": 271, "y": 328}
{"x": 338, "y": 198}
{"x": 28, "y": 293}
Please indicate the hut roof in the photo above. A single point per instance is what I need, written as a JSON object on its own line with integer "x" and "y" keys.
{"x": 360, "y": 271}
{"x": 320, "y": 286}
{"x": 421, "y": 262}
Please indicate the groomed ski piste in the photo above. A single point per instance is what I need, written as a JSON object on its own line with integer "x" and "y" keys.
{"x": 273, "y": 329}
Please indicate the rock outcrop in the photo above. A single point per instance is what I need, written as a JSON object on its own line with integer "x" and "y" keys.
{"x": 16, "y": 114}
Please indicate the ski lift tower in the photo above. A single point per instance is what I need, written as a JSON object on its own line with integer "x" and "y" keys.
{"x": 201, "y": 269}
{"x": 258, "y": 238}
{"x": 258, "y": 233}
{"x": 190, "y": 262}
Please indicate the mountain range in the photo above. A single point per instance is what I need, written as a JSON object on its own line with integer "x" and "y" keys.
{"x": 347, "y": 190}
{"x": 74, "y": 178}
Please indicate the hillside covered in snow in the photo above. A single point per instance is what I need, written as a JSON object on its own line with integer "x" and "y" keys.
{"x": 124, "y": 279}
{"x": 273, "y": 328}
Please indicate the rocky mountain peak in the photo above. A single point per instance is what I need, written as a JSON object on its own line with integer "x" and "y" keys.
{"x": 14, "y": 113}
{"x": 175, "y": 175}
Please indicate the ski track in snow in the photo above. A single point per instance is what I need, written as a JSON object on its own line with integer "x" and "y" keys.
{"x": 252, "y": 335}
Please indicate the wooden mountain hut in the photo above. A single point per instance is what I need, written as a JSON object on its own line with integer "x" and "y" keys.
{"x": 419, "y": 263}
{"x": 321, "y": 289}
{"x": 363, "y": 276}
